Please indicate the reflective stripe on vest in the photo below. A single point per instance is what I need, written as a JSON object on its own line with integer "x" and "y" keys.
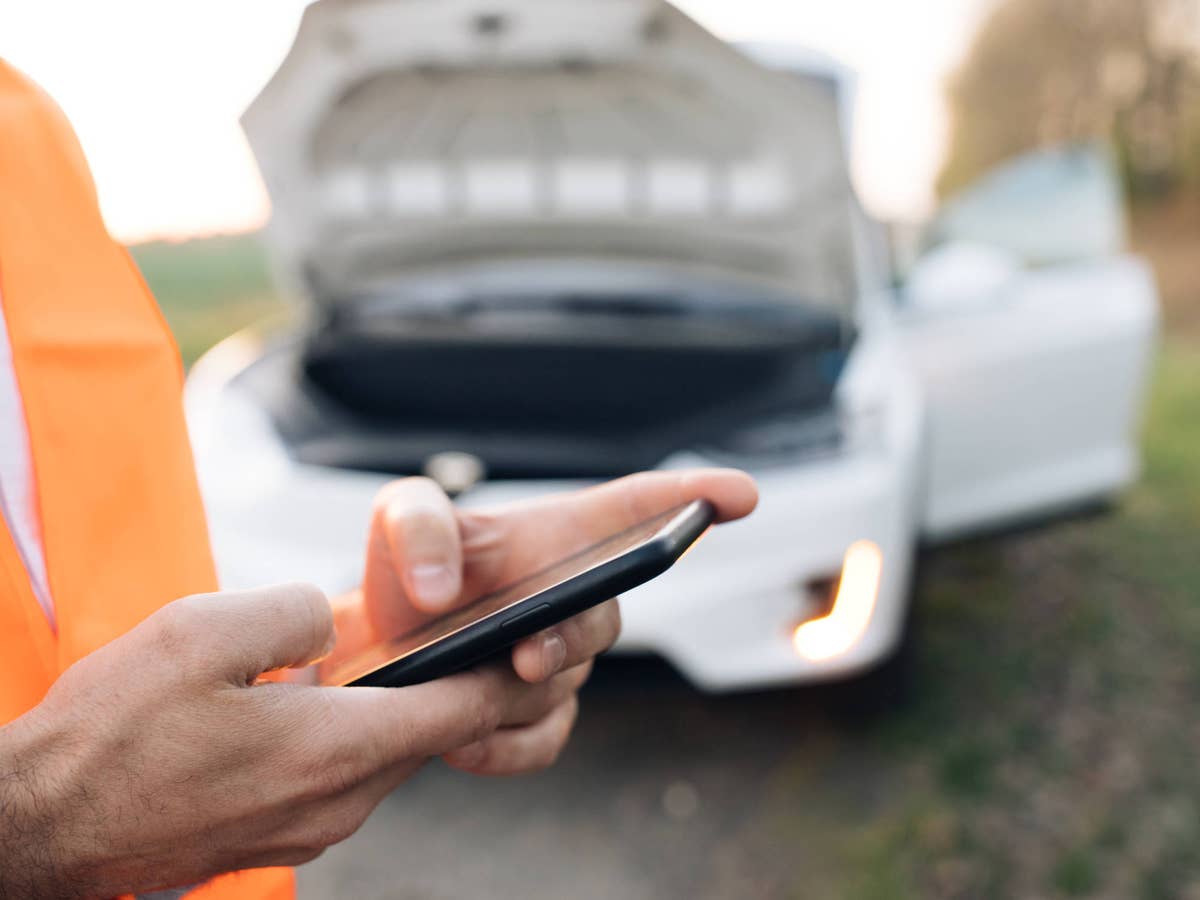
{"x": 100, "y": 379}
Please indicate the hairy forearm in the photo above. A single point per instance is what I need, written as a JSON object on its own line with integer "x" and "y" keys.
{"x": 32, "y": 858}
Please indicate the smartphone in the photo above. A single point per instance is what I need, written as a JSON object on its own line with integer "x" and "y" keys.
{"x": 499, "y": 619}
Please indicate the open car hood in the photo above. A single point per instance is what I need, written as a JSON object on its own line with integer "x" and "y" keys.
{"x": 403, "y": 138}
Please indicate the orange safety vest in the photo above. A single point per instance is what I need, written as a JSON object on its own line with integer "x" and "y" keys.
{"x": 100, "y": 377}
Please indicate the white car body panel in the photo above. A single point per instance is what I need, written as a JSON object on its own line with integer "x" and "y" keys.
{"x": 1034, "y": 398}
{"x": 723, "y": 615}
{"x": 987, "y": 392}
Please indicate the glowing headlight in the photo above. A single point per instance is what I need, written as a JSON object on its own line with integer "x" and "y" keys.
{"x": 858, "y": 588}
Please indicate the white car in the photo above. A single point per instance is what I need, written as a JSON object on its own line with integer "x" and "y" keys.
{"x": 547, "y": 242}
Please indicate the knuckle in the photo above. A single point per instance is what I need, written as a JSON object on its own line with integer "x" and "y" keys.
{"x": 300, "y": 856}
{"x": 179, "y": 625}
{"x": 339, "y": 766}
{"x": 297, "y": 616}
{"x": 543, "y": 757}
{"x": 323, "y": 765}
{"x": 312, "y": 601}
{"x": 579, "y": 675}
{"x": 591, "y": 633}
{"x": 485, "y": 720}
{"x": 420, "y": 522}
{"x": 574, "y": 632}
{"x": 560, "y": 688}
{"x": 333, "y": 828}
{"x": 186, "y": 613}
{"x": 485, "y": 712}
{"x": 339, "y": 774}
{"x": 486, "y": 759}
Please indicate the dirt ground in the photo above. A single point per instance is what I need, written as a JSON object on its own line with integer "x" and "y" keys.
{"x": 663, "y": 793}
{"x": 1045, "y": 746}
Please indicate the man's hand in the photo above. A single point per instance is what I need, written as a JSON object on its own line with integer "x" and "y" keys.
{"x": 161, "y": 759}
{"x": 426, "y": 557}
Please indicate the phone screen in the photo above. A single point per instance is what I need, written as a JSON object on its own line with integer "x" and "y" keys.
{"x": 498, "y": 601}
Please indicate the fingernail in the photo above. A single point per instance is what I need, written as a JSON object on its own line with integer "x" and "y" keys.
{"x": 554, "y": 653}
{"x": 433, "y": 583}
{"x": 470, "y": 755}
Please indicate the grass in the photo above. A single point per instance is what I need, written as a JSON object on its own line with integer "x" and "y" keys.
{"x": 209, "y": 288}
{"x": 1054, "y": 728}
{"x": 1050, "y": 750}
{"x": 1050, "y": 746}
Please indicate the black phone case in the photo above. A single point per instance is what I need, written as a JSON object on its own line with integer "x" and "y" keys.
{"x": 489, "y": 636}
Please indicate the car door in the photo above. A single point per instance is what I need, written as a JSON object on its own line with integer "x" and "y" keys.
{"x": 1032, "y": 332}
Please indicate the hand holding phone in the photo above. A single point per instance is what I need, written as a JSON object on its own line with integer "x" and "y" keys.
{"x": 497, "y": 620}
{"x": 414, "y": 524}
{"x": 415, "y": 529}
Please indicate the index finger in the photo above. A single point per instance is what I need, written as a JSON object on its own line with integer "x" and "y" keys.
{"x": 537, "y": 533}
{"x": 392, "y": 725}
{"x": 635, "y": 498}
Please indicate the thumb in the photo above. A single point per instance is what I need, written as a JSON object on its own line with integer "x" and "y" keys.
{"x": 414, "y": 556}
{"x": 247, "y": 633}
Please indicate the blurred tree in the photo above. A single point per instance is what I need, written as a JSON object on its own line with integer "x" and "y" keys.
{"x": 1044, "y": 72}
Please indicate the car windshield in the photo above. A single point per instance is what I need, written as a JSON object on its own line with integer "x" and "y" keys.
{"x": 1047, "y": 207}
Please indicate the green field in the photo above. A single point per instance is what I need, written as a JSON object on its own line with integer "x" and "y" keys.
{"x": 209, "y": 288}
{"x": 1050, "y": 745}
{"x": 1050, "y": 748}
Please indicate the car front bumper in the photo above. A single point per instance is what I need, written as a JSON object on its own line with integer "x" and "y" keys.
{"x": 724, "y": 615}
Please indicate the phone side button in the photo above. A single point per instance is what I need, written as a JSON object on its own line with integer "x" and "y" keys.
{"x": 524, "y": 616}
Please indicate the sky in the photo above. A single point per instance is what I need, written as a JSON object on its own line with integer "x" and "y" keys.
{"x": 155, "y": 88}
